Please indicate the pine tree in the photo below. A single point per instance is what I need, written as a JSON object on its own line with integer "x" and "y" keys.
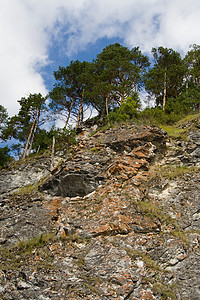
{"x": 24, "y": 125}
{"x": 165, "y": 79}
{"x": 68, "y": 94}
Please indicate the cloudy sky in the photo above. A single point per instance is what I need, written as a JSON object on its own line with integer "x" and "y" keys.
{"x": 37, "y": 36}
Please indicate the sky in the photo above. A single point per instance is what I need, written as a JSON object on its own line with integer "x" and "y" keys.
{"x": 38, "y": 36}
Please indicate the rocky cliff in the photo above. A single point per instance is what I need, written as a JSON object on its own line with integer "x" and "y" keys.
{"x": 118, "y": 218}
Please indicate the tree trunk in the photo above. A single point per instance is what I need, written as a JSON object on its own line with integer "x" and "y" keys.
{"x": 38, "y": 149}
{"x": 80, "y": 109}
{"x": 30, "y": 134}
{"x": 33, "y": 135}
{"x": 52, "y": 153}
{"x": 165, "y": 89}
{"x": 103, "y": 111}
{"x": 107, "y": 97}
{"x": 122, "y": 100}
{"x": 71, "y": 107}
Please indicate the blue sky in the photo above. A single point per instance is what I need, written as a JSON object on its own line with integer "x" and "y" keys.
{"x": 57, "y": 58}
{"x": 38, "y": 36}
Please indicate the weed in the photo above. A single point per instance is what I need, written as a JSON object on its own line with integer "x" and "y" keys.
{"x": 175, "y": 132}
{"x": 94, "y": 149}
{"x": 14, "y": 257}
{"x": 80, "y": 262}
{"x": 74, "y": 239}
{"x": 153, "y": 212}
{"x": 151, "y": 264}
{"x": 164, "y": 291}
{"x": 181, "y": 235}
{"x": 174, "y": 171}
{"x": 30, "y": 188}
{"x": 35, "y": 242}
{"x": 189, "y": 118}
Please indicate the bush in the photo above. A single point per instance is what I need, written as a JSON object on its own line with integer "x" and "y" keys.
{"x": 128, "y": 110}
{"x": 158, "y": 116}
{"x": 5, "y": 158}
{"x": 64, "y": 137}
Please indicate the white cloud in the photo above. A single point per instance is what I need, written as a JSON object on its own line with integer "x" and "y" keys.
{"x": 27, "y": 28}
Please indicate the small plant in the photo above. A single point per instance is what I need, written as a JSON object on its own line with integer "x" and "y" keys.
{"x": 181, "y": 235}
{"x": 164, "y": 291}
{"x": 18, "y": 255}
{"x": 175, "y": 132}
{"x": 174, "y": 171}
{"x": 94, "y": 149}
{"x": 35, "y": 242}
{"x": 153, "y": 212}
{"x": 134, "y": 254}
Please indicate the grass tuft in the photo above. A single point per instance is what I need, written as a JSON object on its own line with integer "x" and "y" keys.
{"x": 173, "y": 171}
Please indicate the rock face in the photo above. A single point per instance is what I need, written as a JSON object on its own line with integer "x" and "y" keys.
{"x": 25, "y": 174}
{"x": 124, "y": 221}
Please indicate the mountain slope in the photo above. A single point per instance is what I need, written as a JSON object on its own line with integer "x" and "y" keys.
{"x": 118, "y": 218}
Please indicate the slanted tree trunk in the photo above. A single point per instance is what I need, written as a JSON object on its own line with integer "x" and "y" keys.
{"x": 70, "y": 110}
{"x": 82, "y": 116}
{"x": 80, "y": 109}
{"x": 30, "y": 134}
{"x": 34, "y": 131}
{"x": 107, "y": 98}
{"x": 165, "y": 89}
{"x": 103, "y": 112}
{"x": 52, "y": 153}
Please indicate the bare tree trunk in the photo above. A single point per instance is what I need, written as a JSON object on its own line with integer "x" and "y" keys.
{"x": 165, "y": 89}
{"x": 122, "y": 100}
{"x": 30, "y": 134}
{"x": 103, "y": 111}
{"x": 52, "y": 153}
{"x": 71, "y": 107}
{"x": 38, "y": 149}
{"x": 33, "y": 135}
{"x": 107, "y": 97}
{"x": 80, "y": 109}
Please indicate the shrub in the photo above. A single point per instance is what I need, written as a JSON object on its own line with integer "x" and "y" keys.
{"x": 158, "y": 116}
{"x": 128, "y": 110}
{"x": 5, "y": 158}
{"x": 64, "y": 137}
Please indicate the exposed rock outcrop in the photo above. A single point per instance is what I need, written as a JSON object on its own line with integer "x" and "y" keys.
{"x": 125, "y": 221}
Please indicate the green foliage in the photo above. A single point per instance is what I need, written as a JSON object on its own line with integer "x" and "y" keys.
{"x": 107, "y": 84}
{"x": 5, "y": 158}
{"x": 102, "y": 84}
{"x": 175, "y": 132}
{"x": 168, "y": 71}
{"x": 128, "y": 110}
{"x": 69, "y": 93}
{"x": 19, "y": 126}
{"x": 64, "y": 138}
{"x": 3, "y": 118}
{"x": 24, "y": 125}
{"x": 192, "y": 60}
{"x": 156, "y": 116}
{"x": 131, "y": 105}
